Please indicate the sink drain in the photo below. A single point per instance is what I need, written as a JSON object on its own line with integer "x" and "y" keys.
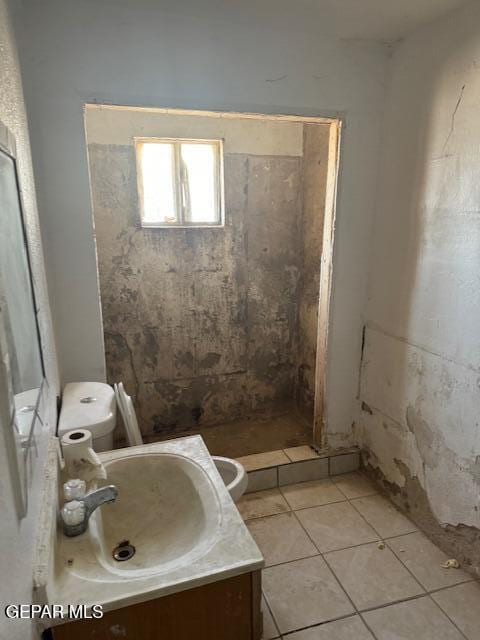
{"x": 123, "y": 551}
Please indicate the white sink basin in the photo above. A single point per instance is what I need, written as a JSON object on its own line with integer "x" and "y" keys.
{"x": 167, "y": 508}
{"x": 172, "y": 507}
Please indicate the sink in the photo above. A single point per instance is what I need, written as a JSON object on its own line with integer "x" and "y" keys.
{"x": 172, "y": 527}
{"x": 167, "y": 509}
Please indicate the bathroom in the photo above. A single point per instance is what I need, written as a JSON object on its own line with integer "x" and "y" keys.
{"x": 274, "y": 404}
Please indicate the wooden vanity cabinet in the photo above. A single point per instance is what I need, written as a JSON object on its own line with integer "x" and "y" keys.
{"x": 224, "y": 610}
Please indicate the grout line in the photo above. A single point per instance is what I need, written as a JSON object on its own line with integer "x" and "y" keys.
{"x": 351, "y": 501}
{"x": 315, "y": 506}
{"x": 271, "y": 614}
{"x": 447, "y": 616}
{"x": 320, "y": 624}
{"x": 269, "y": 515}
{"x": 429, "y": 591}
{"x": 307, "y": 557}
{"x": 451, "y": 586}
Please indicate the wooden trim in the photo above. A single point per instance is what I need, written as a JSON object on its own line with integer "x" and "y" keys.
{"x": 326, "y": 271}
{"x": 217, "y": 114}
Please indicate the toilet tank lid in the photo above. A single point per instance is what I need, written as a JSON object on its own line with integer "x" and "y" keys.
{"x": 88, "y": 405}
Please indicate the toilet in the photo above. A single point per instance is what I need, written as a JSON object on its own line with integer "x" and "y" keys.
{"x": 93, "y": 406}
{"x": 233, "y": 475}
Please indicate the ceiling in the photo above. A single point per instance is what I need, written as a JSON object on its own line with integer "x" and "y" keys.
{"x": 386, "y": 20}
{"x": 382, "y": 19}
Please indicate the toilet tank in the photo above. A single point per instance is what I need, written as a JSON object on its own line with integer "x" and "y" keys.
{"x": 92, "y": 406}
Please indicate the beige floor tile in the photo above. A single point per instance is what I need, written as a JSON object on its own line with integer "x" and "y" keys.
{"x": 425, "y": 561}
{"x": 372, "y": 577}
{"x": 462, "y": 605}
{"x": 354, "y": 485}
{"x": 311, "y": 494}
{"x": 383, "y": 516}
{"x": 418, "y": 619}
{"x": 263, "y": 460}
{"x": 281, "y": 538}
{"x": 270, "y": 630}
{"x": 304, "y": 593}
{"x": 300, "y": 453}
{"x": 347, "y": 629}
{"x": 336, "y": 526}
{"x": 262, "y": 503}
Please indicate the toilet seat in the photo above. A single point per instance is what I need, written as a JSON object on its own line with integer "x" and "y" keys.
{"x": 129, "y": 417}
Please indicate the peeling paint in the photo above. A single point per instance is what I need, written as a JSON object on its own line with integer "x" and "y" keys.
{"x": 458, "y": 541}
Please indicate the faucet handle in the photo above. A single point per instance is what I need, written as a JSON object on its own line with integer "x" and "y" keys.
{"x": 73, "y": 512}
{"x": 74, "y": 489}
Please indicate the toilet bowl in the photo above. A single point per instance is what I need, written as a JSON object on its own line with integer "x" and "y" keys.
{"x": 233, "y": 475}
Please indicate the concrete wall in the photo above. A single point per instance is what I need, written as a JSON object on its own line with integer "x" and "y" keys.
{"x": 201, "y": 324}
{"x": 195, "y": 55}
{"x": 17, "y": 536}
{"x": 421, "y": 361}
{"x": 315, "y": 164}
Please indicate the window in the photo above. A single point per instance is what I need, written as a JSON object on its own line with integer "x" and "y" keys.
{"x": 180, "y": 182}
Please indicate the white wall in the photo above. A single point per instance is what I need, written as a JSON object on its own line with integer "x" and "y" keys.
{"x": 146, "y": 53}
{"x": 421, "y": 369}
{"x": 17, "y": 537}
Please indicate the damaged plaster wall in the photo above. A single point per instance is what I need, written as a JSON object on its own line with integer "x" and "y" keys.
{"x": 223, "y": 56}
{"x": 315, "y": 164}
{"x": 201, "y": 324}
{"x": 420, "y": 379}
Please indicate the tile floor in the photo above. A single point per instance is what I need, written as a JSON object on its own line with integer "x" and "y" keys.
{"x": 343, "y": 564}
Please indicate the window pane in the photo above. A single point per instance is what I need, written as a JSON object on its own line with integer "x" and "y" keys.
{"x": 200, "y": 167}
{"x": 158, "y": 183}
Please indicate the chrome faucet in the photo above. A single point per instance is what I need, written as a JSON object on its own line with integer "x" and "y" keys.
{"x": 76, "y": 513}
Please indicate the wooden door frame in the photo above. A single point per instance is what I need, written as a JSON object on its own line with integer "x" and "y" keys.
{"x": 325, "y": 289}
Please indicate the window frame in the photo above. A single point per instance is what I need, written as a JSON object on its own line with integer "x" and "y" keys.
{"x": 180, "y": 209}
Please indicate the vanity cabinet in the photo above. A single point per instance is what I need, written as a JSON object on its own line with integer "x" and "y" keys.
{"x": 225, "y": 610}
